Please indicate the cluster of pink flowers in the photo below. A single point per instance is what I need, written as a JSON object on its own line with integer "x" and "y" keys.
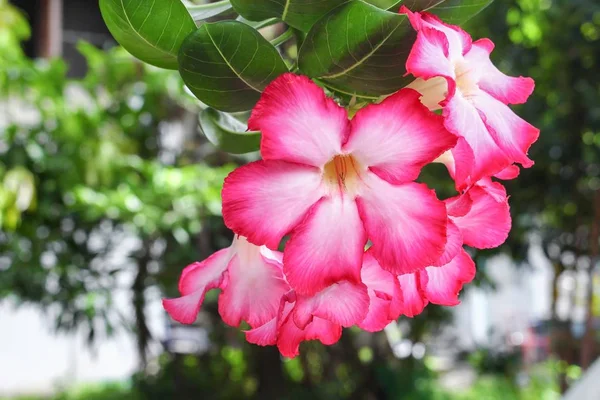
{"x": 337, "y": 186}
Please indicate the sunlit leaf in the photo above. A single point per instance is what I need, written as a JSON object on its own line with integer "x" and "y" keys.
{"x": 151, "y": 30}
{"x": 227, "y": 65}
{"x": 358, "y": 49}
{"x": 300, "y": 14}
{"x": 451, "y": 11}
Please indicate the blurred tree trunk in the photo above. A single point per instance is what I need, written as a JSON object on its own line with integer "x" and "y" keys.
{"x": 271, "y": 381}
{"x": 588, "y": 341}
{"x": 142, "y": 332}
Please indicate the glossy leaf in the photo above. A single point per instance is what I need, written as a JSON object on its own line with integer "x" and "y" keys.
{"x": 451, "y": 11}
{"x": 151, "y": 30}
{"x": 227, "y": 65}
{"x": 227, "y": 133}
{"x": 392, "y": 5}
{"x": 300, "y": 14}
{"x": 200, "y": 12}
{"x": 359, "y": 49}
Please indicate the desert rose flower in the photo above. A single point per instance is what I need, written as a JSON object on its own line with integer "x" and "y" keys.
{"x": 332, "y": 184}
{"x": 456, "y": 74}
{"x": 479, "y": 218}
{"x": 251, "y": 280}
{"x": 317, "y": 317}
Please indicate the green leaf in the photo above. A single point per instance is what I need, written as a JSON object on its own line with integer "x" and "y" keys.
{"x": 393, "y": 5}
{"x": 359, "y": 49}
{"x": 227, "y": 133}
{"x": 228, "y": 64}
{"x": 300, "y": 14}
{"x": 455, "y": 12}
{"x": 200, "y": 12}
{"x": 151, "y": 30}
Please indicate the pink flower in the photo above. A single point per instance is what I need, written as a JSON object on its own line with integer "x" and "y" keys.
{"x": 317, "y": 317}
{"x": 251, "y": 280}
{"x": 332, "y": 184}
{"x": 479, "y": 218}
{"x": 457, "y": 75}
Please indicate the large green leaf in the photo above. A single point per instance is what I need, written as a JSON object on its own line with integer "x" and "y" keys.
{"x": 358, "y": 49}
{"x": 227, "y": 133}
{"x": 227, "y": 65}
{"x": 151, "y": 30}
{"x": 451, "y": 11}
{"x": 392, "y": 5}
{"x": 300, "y": 14}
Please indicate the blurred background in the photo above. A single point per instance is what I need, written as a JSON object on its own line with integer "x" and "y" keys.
{"x": 107, "y": 190}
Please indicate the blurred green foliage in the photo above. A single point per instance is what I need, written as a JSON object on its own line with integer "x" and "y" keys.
{"x": 86, "y": 165}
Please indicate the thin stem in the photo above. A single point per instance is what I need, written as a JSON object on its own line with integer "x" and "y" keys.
{"x": 284, "y": 37}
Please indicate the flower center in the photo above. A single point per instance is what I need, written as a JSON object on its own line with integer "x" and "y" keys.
{"x": 466, "y": 81}
{"x": 343, "y": 173}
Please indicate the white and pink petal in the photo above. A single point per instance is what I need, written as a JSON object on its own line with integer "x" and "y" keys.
{"x": 406, "y": 223}
{"x": 397, "y": 137}
{"x": 298, "y": 122}
{"x": 327, "y": 247}
{"x": 265, "y": 200}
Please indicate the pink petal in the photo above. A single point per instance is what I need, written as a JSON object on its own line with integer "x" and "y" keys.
{"x": 459, "y": 206}
{"x": 298, "y": 122}
{"x": 507, "y": 89}
{"x": 397, "y": 137}
{"x": 205, "y": 275}
{"x": 511, "y": 133}
{"x": 290, "y": 336}
{"x": 486, "y": 157}
{"x": 385, "y": 296}
{"x": 327, "y": 247}
{"x": 264, "y": 200}
{"x": 441, "y": 285}
{"x": 342, "y": 303}
{"x": 406, "y": 223}
{"x": 459, "y": 41}
{"x": 508, "y": 173}
{"x": 264, "y": 335}
{"x": 197, "y": 279}
{"x": 488, "y": 222}
{"x": 429, "y": 58}
{"x": 414, "y": 300}
{"x": 185, "y": 309}
{"x": 453, "y": 244}
{"x": 254, "y": 289}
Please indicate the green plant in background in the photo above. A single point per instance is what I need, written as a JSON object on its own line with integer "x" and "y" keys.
{"x": 86, "y": 165}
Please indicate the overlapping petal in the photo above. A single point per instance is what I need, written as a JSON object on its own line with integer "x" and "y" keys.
{"x": 326, "y": 247}
{"x": 406, "y": 223}
{"x": 441, "y": 285}
{"x": 342, "y": 303}
{"x": 264, "y": 200}
{"x": 385, "y": 296}
{"x": 487, "y": 222}
{"x": 254, "y": 288}
{"x": 397, "y": 137}
{"x": 414, "y": 300}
